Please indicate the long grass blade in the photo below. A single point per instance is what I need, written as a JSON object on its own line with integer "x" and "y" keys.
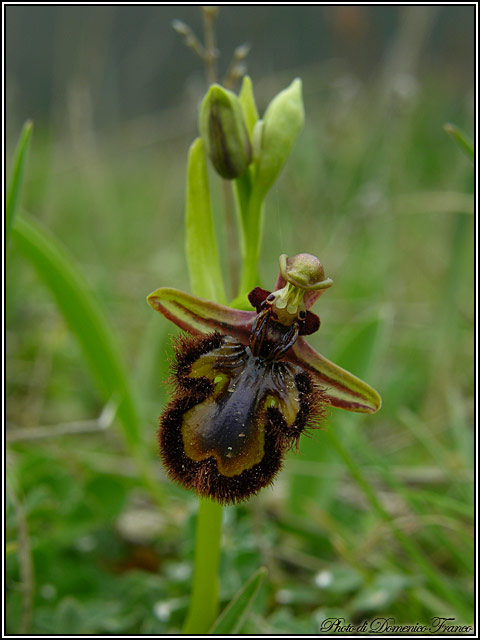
{"x": 87, "y": 322}
{"x": 233, "y": 616}
{"x": 16, "y": 178}
{"x": 461, "y": 139}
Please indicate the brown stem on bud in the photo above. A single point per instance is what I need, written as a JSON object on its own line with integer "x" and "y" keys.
{"x": 237, "y": 68}
{"x": 189, "y": 38}
{"x": 209, "y": 17}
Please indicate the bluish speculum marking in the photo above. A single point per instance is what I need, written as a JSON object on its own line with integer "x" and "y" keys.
{"x": 230, "y": 424}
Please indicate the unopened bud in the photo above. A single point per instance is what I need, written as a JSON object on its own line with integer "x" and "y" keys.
{"x": 282, "y": 122}
{"x": 224, "y": 132}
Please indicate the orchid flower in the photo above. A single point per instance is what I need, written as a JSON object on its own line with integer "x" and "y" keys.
{"x": 247, "y": 384}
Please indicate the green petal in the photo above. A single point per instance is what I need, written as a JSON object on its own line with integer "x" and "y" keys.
{"x": 344, "y": 390}
{"x": 196, "y": 315}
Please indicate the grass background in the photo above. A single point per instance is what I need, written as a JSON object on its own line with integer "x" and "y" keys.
{"x": 378, "y": 191}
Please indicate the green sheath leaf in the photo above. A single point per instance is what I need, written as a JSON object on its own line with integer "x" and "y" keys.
{"x": 247, "y": 101}
{"x": 201, "y": 245}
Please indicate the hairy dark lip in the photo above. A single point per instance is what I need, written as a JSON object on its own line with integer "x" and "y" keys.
{"x": 254, "y": 379}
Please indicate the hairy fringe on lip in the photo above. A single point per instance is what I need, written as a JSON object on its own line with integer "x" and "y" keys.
{"x": 203, "y": 476}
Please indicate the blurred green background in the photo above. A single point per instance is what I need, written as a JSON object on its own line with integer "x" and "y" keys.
{"x": 374, "y": 187}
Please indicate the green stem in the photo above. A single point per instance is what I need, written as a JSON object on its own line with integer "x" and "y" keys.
{"x": 233, "y": 257}
{"x": 205, "y": 278}
{"x": 204, "y": 600}
{"x": 253, "y": 241}
{"x": 204, "y": 603}
{"x": 242, "y": 187}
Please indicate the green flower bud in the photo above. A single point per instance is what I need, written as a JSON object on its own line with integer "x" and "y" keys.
{"x": 224, "y": 132}
{"x": 282, "y": 123}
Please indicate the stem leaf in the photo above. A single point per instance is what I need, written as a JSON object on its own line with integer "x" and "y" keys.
{"x": 201, "y": 245}
{"x": 233, "y": 616}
